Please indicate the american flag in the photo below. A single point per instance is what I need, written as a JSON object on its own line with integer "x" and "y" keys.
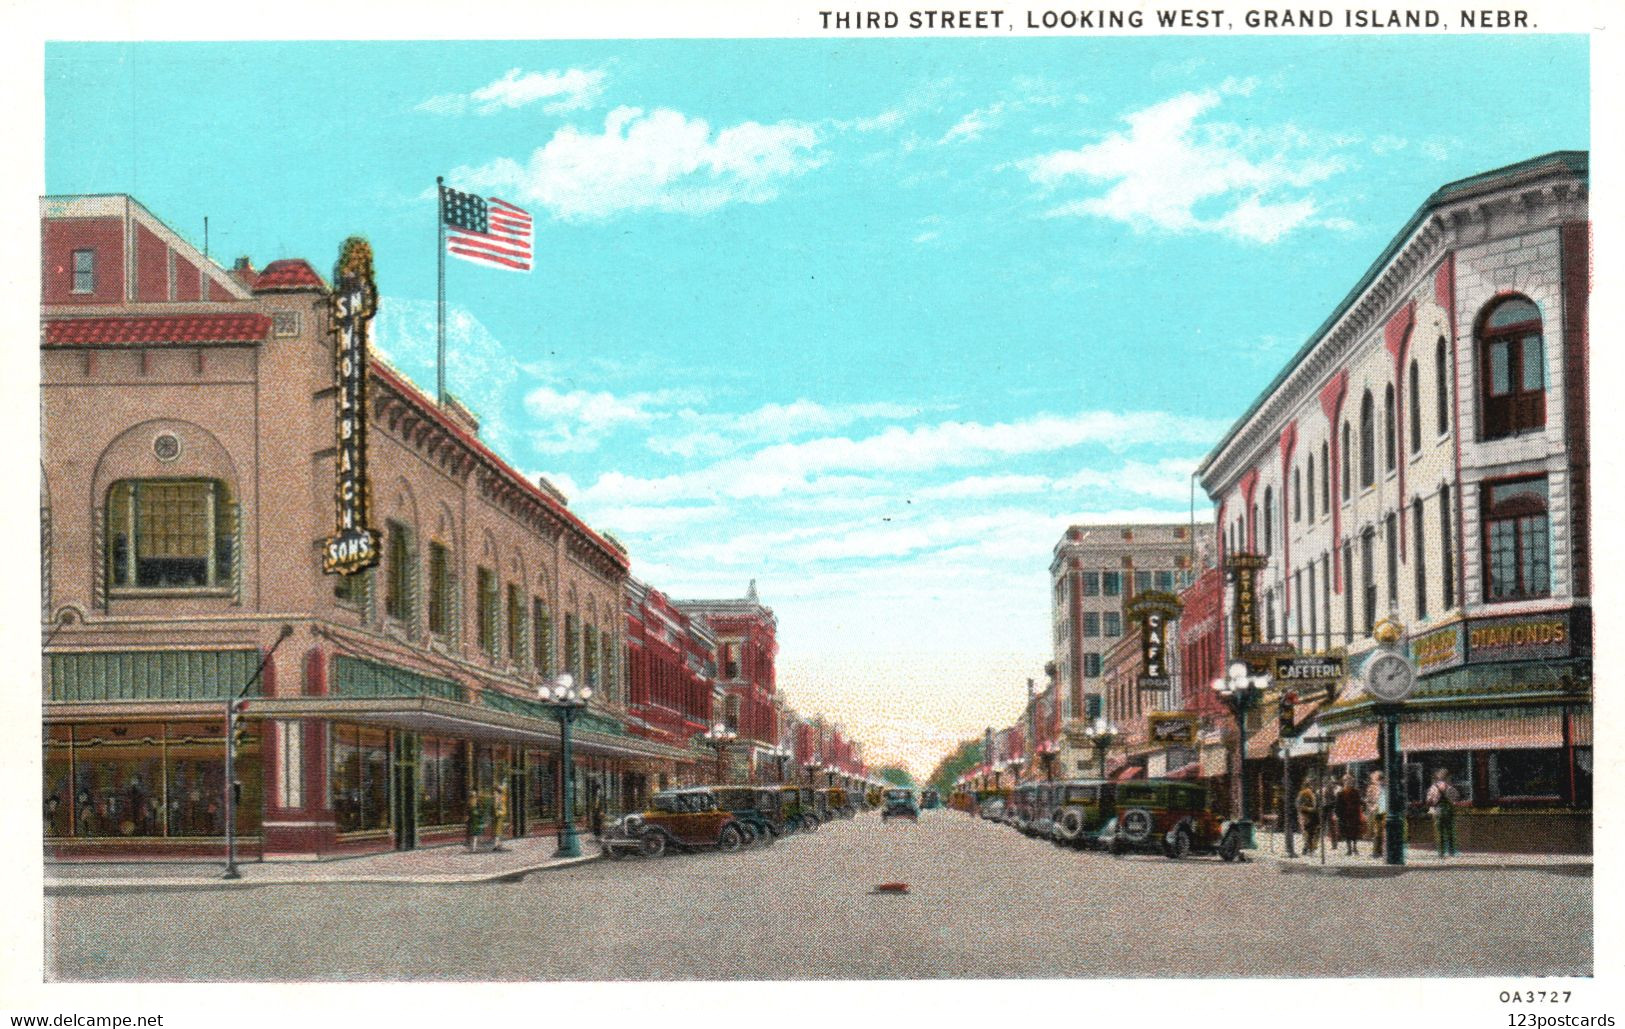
{"x": 488, "y": 231}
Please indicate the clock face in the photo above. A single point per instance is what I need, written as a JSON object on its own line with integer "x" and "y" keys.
{"x": 1390, "y": 677}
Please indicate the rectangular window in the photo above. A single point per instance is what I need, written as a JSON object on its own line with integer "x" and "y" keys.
{"x": 1091, "y": 584}
{"x": 439, "y": 589}
{"x": 1297, "y": 607}
{"x": 1368, "y": 578}
{"x": 541, "y": 628}
{"x": 1419, "y": 559}
{"x": 1526, "y": 774}
{"x": 170, "y": 534}
{"x": 1309, "y": 602}
{"x": 84, "y": 271}
{"x": 516, "y": 624}
{"x": 1111, "y": 583}
{"x": 1165, "y": 581}
{"x": 1113, "y": 623}
{"x": 730, "y": 660}
{"x": 1091, "y": 623}
{"x": 397, "y": 596}
{"x": 1447, "y": 549}
{"x": 486, "y": 612}
{"x": 572, "y": 646}
{"x": 1391, "y": 530}
{"x": 1142, "y": 582}
{"x": 1091, "y": 666}
{"x": 1348, "y": 593}
{"x": 589, "y": 643}
{"x": 285, "y": 324}
{"x": 291, "y": 764}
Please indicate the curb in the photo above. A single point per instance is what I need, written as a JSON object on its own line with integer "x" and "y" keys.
{"x": 1380, "y": 870}
{"x": 103, "y": 887}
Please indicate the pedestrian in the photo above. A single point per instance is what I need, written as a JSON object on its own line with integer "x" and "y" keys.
{"x": 1308, "y": 805}
{"x": 1348, "y": 806}
{"x": 1442, "y": 800}
{"x": 1376, "y": 809}
{"x": 1330, "y": 824}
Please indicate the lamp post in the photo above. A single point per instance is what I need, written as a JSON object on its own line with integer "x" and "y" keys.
{"x": 235, "y": 705}
{"x": 1013, "y": 766}
{"x": 779, "y": 756}
{"x": 1047, "y": 753}
{"x": 1102, "y": 734}
{"x": 719, "y": 738}
{"x": 1240, "y": 692}
{"x": 566, "y": 699}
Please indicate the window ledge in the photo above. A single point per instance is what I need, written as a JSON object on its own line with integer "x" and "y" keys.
{"x": 124, "y": 592}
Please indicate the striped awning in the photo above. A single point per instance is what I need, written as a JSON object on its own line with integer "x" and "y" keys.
{"x": 1215, "y": 760}
{"x": 1355, "y": 745}
{"x": 1508, "y": 732}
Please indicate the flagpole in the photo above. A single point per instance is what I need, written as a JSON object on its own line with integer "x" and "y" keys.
{"x": 440, "y": 294}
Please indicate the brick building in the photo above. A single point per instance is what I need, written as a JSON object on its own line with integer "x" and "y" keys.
{"x": 1424, "y": 458}
{"x": 672, "y": 691}
{"x": 747, "y": 647}
{"x": 189, "y": 420}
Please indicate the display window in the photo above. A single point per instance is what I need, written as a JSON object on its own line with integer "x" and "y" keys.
{"x": 359, "y": 778}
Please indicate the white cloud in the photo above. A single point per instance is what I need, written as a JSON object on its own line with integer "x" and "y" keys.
{"x": 578, "y": 420}
{"x": 479, "y": 370}
{"x": 1164, "y": 480}
{"x": 978, "y": 486}
{"x": 711, "y": 435}
{"x": 1169, "y": 163}
{"x": 658, "y": 160}
{"x": 970, "y": 128}
{"x": 563, "y": 91}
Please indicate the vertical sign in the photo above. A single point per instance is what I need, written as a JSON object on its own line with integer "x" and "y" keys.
{"x": 1153, "y": 610}
{"x": 353, "y": 545}
{"x": 1244, "y": 570}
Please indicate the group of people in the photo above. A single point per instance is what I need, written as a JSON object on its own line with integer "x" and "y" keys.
{"x": 1347, "y": 816}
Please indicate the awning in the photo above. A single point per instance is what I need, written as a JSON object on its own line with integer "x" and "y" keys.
{"x": 1513, "y": 732}
{"x": 1127, "y": 772}
{"x": 1355, "y": 745}
{"x": 1215, "y": 761}
{"x": 1190, "y": 771}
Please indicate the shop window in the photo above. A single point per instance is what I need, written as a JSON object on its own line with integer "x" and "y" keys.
{"x": 1517, "y": 546}
{"x": 1526, "y": 775}
{"x": 1091, "y": 584}
{"x": 516, "y": 625}
{"x": 172, "y": 534}
{"x": 1420, "y": 559}
{"x": 1091, "y": 624}
{"x": 486, "y": 612}
{"x": 440, "y": 590}
{"x": 1416, "y": 409}
{"x": 541, "y": 621}
{"x": 1390, "y": 432}
{"x": 1111, "y": 584}
{"x": 443, "y": 785}
{"x": 1512, "y": 355}
{"x": 1441, "y": 376}
{"x": 1447, "y": 550}
{"x": 397, "y": 572}
{"x": 358, "y": 772}
{"x": 84, "y": 271}
{"x": 1422, "y": 766}
{"x": 1368, "y": 441}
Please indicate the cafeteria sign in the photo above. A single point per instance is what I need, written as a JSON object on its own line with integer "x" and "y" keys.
{"x": 1309, "y": 669}
{"x": 1153, "y": 610}
{"x": 353, "y": 545}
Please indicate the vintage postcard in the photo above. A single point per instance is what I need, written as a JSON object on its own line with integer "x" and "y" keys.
{"x": 1041, "y": 502}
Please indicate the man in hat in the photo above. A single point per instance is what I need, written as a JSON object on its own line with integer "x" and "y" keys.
{"x": 1376, "y": 809}
{"x": 1442, "y": 800}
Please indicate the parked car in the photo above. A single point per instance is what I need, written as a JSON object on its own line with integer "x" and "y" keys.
{"x": 1041, "y": 816}
{"x": 930, "y": 800}
{"x": 821, "y": 806}
{"x": 797, "y": 808}
{"x": 685, "y": 819}
{"x": 1079, "y": 809}
{"x": 841, "y": 803}
{"x": 993, "y": 809}
{"x": 1171, "y": 817}
{"x": 755, "y": 808}
{"x": 900, "y": 803}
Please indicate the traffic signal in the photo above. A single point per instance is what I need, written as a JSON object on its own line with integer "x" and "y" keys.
{"x": 239, "y": 728}
{"x": 1289, "y": 701}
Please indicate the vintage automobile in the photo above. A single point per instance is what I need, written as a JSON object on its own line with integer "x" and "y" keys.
{"x": 755, "y": 808}
{"x": 1023, "y": 809}
{"x": 796, "y": 808}
{"x": 840, "y": 803}
{"x": 1173, "y": 817}
{"x": 900, "y": 804}
{"x": 1041, "y": 815}
{"x": 821, "y": 806}
{"x": 1078, "y": 810}
{"x": 684, "y": 819}
{"x": 930, "y": 800}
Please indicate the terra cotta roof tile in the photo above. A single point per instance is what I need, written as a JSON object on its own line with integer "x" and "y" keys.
{"x": 184, "y": 328}
{"x": 290, "y": 273}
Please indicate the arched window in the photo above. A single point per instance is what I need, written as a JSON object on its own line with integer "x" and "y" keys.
{"x": 1441, "y": 376}
{"x": 1368, "y": 441}
{"x": 1512, "y": 353}
{"x": 1253, "y": 541}
{"x": 1416, "y": 408}
{"x": 1390, "y": 436}
{"x": 1309, "y": 477}
{"x": 1419, "y": 559}
{"x": 1517, "y": 545}
{"x": 1325, "y": 476}
{"x": 1348, "y": 456}
{"x": 1269, "y": 505}
{"x": 1297, "y": 495}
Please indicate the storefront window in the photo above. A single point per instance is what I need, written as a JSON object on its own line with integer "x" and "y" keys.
{"x": 359, "y": 775}
{"x": 1526, "y": 774}
{"x": 540, "y": 787}
{"x": 1422, "y": 766}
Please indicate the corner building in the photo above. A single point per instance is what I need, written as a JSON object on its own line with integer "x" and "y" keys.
{"x": 1425, "y": 458}
{"x": 189, "y": 422}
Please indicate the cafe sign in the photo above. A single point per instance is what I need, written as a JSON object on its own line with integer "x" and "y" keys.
{"x": 1172, "y": 728}
{"x": 1308, "y": 669}
{"x": 1244, "y": 569}
{"x": 354, "y": 544}
{"x": 1154, "y": 610}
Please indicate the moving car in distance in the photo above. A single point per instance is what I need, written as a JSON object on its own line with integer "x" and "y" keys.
{"x": 900, "y": 803}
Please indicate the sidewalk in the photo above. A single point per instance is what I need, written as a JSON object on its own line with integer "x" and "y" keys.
{"x": 1417, "y": 859}
{"x": 446, "y": 864}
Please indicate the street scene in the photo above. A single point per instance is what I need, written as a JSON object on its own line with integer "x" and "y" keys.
{"x": 975, "y": 890}
{"x": 1079, "y": 509}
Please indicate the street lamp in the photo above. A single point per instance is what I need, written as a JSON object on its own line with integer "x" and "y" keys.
{"x": 1102, "y": 734}
{"x": 780, "y": 757}
{"x": 235, "y": 706}
{"x": 719, "y": 738}
{"x": 1047, "y": 753}
{"x": 1013, "y": 766}
{"x": 1240, "y": 692}
{"x": 566, "y": 699}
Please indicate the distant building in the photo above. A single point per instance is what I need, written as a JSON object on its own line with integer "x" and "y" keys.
{"x": 747, "y": 648}
{"x": 672, "y": 690}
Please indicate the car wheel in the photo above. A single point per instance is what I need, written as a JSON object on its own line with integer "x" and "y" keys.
{"x": 1136, "y": 823}
{"x": 652, "y": 843}
{"x": 730, "y": 838}
{"x": 1181, "y": 845}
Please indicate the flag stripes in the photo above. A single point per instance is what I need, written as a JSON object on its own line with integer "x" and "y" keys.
{"x": 486, "y": 231}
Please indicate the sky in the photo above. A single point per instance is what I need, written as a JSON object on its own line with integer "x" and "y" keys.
{"x": 868, "y": 321}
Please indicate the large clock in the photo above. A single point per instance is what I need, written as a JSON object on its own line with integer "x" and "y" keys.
{"x": 1390, "y": 677}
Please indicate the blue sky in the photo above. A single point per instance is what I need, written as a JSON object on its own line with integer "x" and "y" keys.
{"x": 870, "y": 321}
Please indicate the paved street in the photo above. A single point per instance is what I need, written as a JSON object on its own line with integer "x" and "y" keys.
{"x": 986, "y": 902}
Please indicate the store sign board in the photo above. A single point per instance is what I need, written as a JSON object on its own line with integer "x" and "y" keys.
{"x": 1522, "y": 637}
{"x": 1308, "y": 669}
{"x": 1172, "y": 728}
{"x": 1244, "y": 569}
{"x": 1153, "y": 611}
{"x": 1440, "y": 649}
{"x": 354, "y": 545}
